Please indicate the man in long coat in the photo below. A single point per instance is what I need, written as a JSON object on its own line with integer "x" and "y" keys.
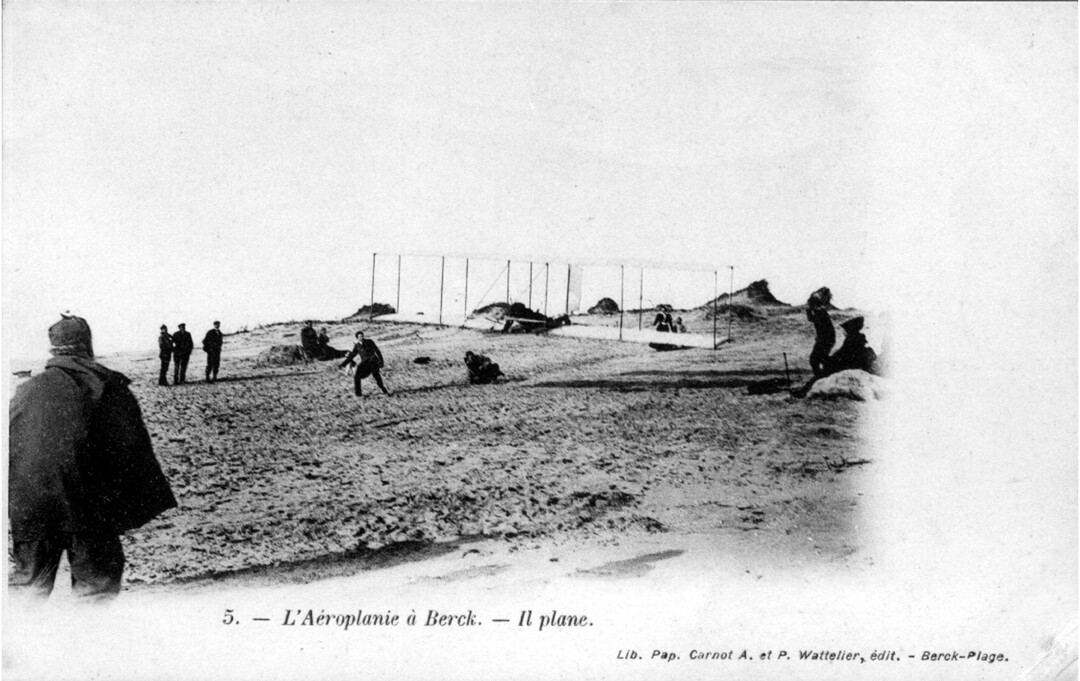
{"x": 81, "y": 469}
{"x": 817, "y": 312}
{"x": 211, "y": 345}
{"x": 183, "y": 345}
{"x": 165, "y": 350}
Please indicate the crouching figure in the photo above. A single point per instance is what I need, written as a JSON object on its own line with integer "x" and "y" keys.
{"x": 481, "y": 369}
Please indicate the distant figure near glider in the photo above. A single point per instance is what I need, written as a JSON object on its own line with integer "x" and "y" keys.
{"x": 211, "y": 345}
{"x": 825, "y": 334}
{"x": 183, "y": 345}
{"x": 660, "y": 323}
{"x": 165, "y": 350}
{"x": 371, "y": 360}
{"x": 519, "y": 318}
{"x": 481, "y": 369}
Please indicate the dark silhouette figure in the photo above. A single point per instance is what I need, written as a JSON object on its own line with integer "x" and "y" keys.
{"x": 165, "y": 351}
{"x": 371, "y": 360}
{"x": 211, "y": 345}
{"x": 481, "y": 369}
{"x": 81, "y": 470}
{"x": 309, "y": 340}
{"x": 520, "y": 317}
{"x": 854, "y": 353}
{"x": 183, "y": 346}
{"x": 660, "y": 323}
{"x": 325, "y": 351}
{"x": 825, "y": 334}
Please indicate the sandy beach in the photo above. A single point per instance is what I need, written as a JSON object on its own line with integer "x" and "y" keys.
{"x": 282, "y": 474}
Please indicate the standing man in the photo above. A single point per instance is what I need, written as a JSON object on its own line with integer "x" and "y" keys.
{"x": 81, "y": 469}
{"x": 211, "y": 345}
{"x": 824, "y": 334}
{"x": 183, "y": 346}
{"x": 371, "y": 360}
{"x": 165, "y": 350}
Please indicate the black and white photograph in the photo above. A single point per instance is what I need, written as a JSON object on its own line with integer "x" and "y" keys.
{"x": 539, "y": 340}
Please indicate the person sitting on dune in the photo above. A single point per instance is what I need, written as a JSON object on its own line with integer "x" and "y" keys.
{"x": 325, "y": 351}
{"x": 854, "y": 353}
{"x": 309, "y": 340}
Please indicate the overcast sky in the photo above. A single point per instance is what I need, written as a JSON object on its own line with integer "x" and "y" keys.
{"x": 176, "y": 161}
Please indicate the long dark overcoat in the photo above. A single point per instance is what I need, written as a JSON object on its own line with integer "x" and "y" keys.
{"x": 212, "y": 341}
{"x": 165, "y": 345}
{"x": 183, "y": 344}
{"x": 80, "y": 458}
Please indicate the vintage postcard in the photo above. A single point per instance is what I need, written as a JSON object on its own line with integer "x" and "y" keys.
{"x": 595, "y": 340}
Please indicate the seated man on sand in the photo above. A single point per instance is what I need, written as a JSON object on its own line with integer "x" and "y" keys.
{"x": 481, "y": 369}
{"x": 325, "y": 351}
{"x": 309, "y": 340}
{"x": 854, "y": 353}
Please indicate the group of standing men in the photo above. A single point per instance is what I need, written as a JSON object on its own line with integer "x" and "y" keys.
{"x": 178, "y": 347}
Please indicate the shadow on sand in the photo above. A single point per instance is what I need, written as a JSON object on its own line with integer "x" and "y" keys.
{"x": 637, "y": 381}
{"x": 246, "y": 378}
{"x": 314, "y": 569}
{"x": 632, "y": 567}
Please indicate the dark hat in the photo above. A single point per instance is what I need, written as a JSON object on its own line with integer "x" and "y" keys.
{"x": 181, "y": 325}
{"x": 853, "y": 325}
{"x": 71, "y": 336}
{"x": 822, "y": 296}
{"x": 164, "y": 328}
{"x": 216, "y": 323}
